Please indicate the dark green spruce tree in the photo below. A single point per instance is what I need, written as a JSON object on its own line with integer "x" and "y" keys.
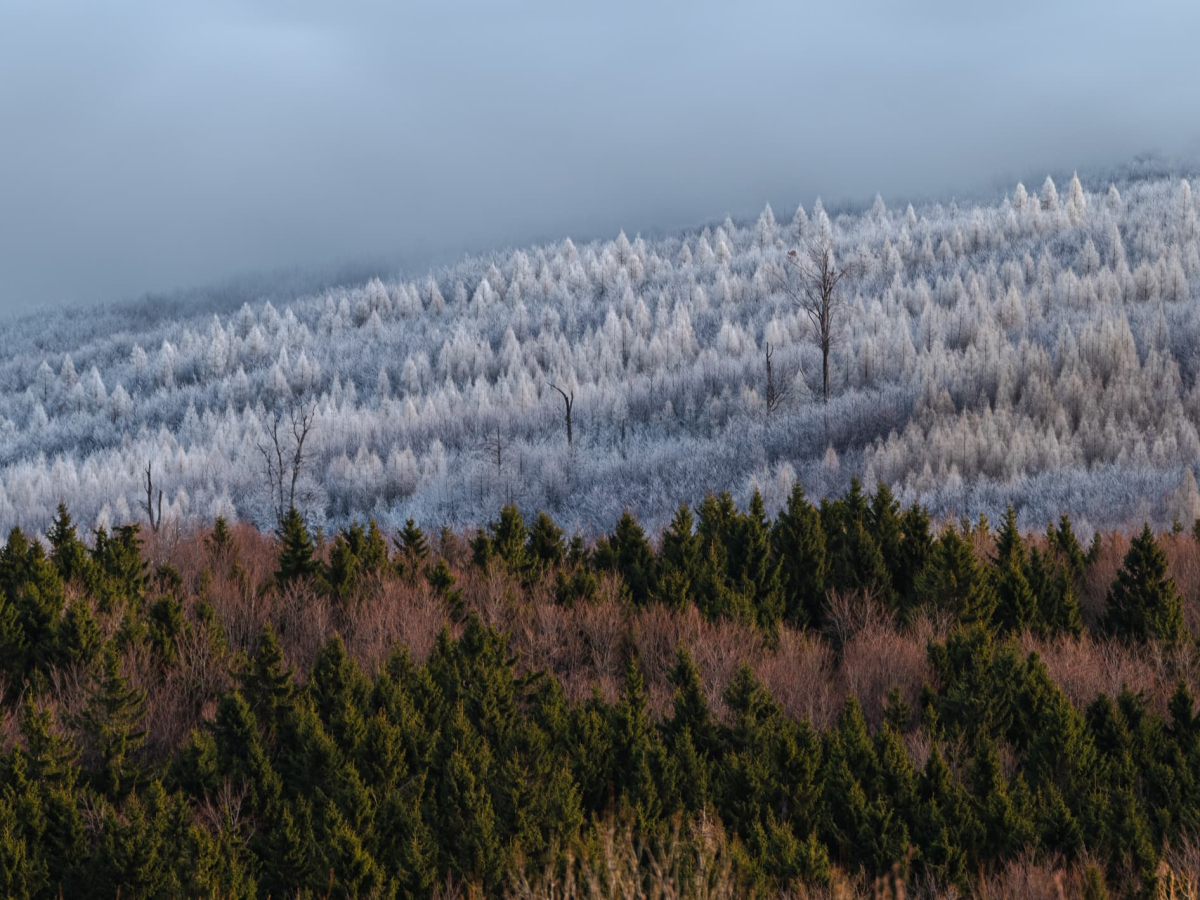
{"x": 1143, "y": 603}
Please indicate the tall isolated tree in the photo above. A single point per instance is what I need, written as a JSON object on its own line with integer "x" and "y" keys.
{"x": 812, "y": 278}
{"x": 284, "y": 455}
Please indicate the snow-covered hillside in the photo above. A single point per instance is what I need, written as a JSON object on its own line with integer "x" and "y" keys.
{"x": 1042, "y": 350}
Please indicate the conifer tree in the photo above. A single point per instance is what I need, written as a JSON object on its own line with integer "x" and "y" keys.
{"x": 896, "y": 712}
{"x": 267, "y": 684}
{"x": 690, "y": 705}
{"x": 855, "y": 561}
{"x": 338, "y": 690}
{"x": 290, "y": 845}
{"x": 897, "y": 781}
{"x": 413, "y": 547}
{"x": 240, "y": 754}
{"x": 641, "y": 767}
{"x": 48, "y": 801}
{"x": 341, "y": 575}
{"x": 756, "y": 567}
{"x": 118, "y": 570}
{"x": 679, "y": 559}
{"x": 1185, "y": 722}
{"x": 884, "y": 523}
{"x": 1053, "y": 584}
{"x": 113, "y": 722}
{"x": 67, "y": 552}
{"x": 462, "y": 807}
{"x": 1007, "y": 826}
{"x": 545, "y": 546}
{"x": 915, "y": 553}
{"x": 297, "y": 555}
{"x": 221, "y": 538}
{"x": 504, "y": 539}
{"x": 628, "y": 553}
{"x": 799, "y": 540}
{"x": 1016, "y": 607}
{"x": 1062, "y": 539}
{"x": 353, "y": 871}
{"x": 32, "y": 590}
{"x": 955, "y": 582}
{"x": 369, "y": 547}
{"x": 1143, "y": 604}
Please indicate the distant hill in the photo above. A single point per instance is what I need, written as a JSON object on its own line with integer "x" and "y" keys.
{"x": 1039, "y": 350}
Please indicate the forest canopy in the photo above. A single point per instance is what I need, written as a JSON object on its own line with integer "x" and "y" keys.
{"x": 1039, "y": 350}
{"x": 830, "y": 696}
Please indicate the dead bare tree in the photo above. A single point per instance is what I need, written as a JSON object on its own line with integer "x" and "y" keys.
{"x": 155, "y": 515}
{"x": 779, "y": 383}
{"x": 569, "y": 402}
{"x": 284, "y": 453}
{"x": 811, "y": 278}
{"x": 493, "y": 448}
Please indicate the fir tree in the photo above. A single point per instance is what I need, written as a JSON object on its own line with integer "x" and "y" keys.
{"x": 369, "y": 547}
{"x": 1016, "y": 607}
{"x": 1062, "y": 539}
{"x": 341, "y": 575}
{"x": 504, "y": 539}
{"x": 1053, "y": 584}
{"x": 220, "y": 539}
{"x": 799, "y": 541}
{"x": 628, "y": 553}
{"x": 642, "y": 771}
{"x": 33, "y": 591}
{"x": 267, "y": 684}
{"x": 756, "y": 567}
{"x": 915, "y": 553}
{"x": 461, "y": 805}
{"x": 679, "y": 559}
{"x": 690, "y": 705}
{"x": 1143, "y": 604}
{"x": 118, "y": 571}
{"x": 67, "y": 552}
{"x": 413, "y": 547}
{"x": 855, "y": 561}
{"x": 297, "y": 559}
{"x": 955, "y": 582}
{"x": 545, "y": 546}
{"x": 113, "y": 722}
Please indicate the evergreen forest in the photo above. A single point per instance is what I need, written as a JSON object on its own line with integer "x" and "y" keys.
{"x": 844, "y": 699}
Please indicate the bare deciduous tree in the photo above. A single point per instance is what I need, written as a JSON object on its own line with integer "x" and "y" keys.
{"x": 284, "y": 454}
{"x": 493, "y": 448}
{"x": 811, "y": 277}
{"x": 779, "y": 382}
{"x": 155, "y": 515}
{"x": 569, "y": 402}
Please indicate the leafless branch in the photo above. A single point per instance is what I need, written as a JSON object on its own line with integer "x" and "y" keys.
{"x": 779, "y": 382}
{"x": 569, "y": 402}
{"x": 284, "y": 456}
{"x": 812, "y": 278}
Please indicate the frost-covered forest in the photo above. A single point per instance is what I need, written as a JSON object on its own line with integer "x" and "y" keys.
{"x": 1039, "y": 350}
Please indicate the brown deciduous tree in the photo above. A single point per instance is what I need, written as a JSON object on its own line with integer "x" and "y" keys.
{"x": 284, "y": 453}
{"x": 812, "y": 278}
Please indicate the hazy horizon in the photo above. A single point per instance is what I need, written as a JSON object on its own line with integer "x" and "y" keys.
{"x": 155, "y": 149}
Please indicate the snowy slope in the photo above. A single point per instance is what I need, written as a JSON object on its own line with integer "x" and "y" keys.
{"x": 1041, "y": 349}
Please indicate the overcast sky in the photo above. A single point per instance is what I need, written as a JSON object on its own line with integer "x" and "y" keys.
{"x": 150, "y": 145}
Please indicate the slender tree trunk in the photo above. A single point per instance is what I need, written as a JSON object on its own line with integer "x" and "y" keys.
{"x": 825, "y": 374}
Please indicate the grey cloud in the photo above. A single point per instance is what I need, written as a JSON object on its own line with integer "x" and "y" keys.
{"x": 148, "y": 146}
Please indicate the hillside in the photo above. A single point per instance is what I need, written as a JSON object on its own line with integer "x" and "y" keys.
{"x": 765, "y": 709}
{"x": 1039, "y": 350}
